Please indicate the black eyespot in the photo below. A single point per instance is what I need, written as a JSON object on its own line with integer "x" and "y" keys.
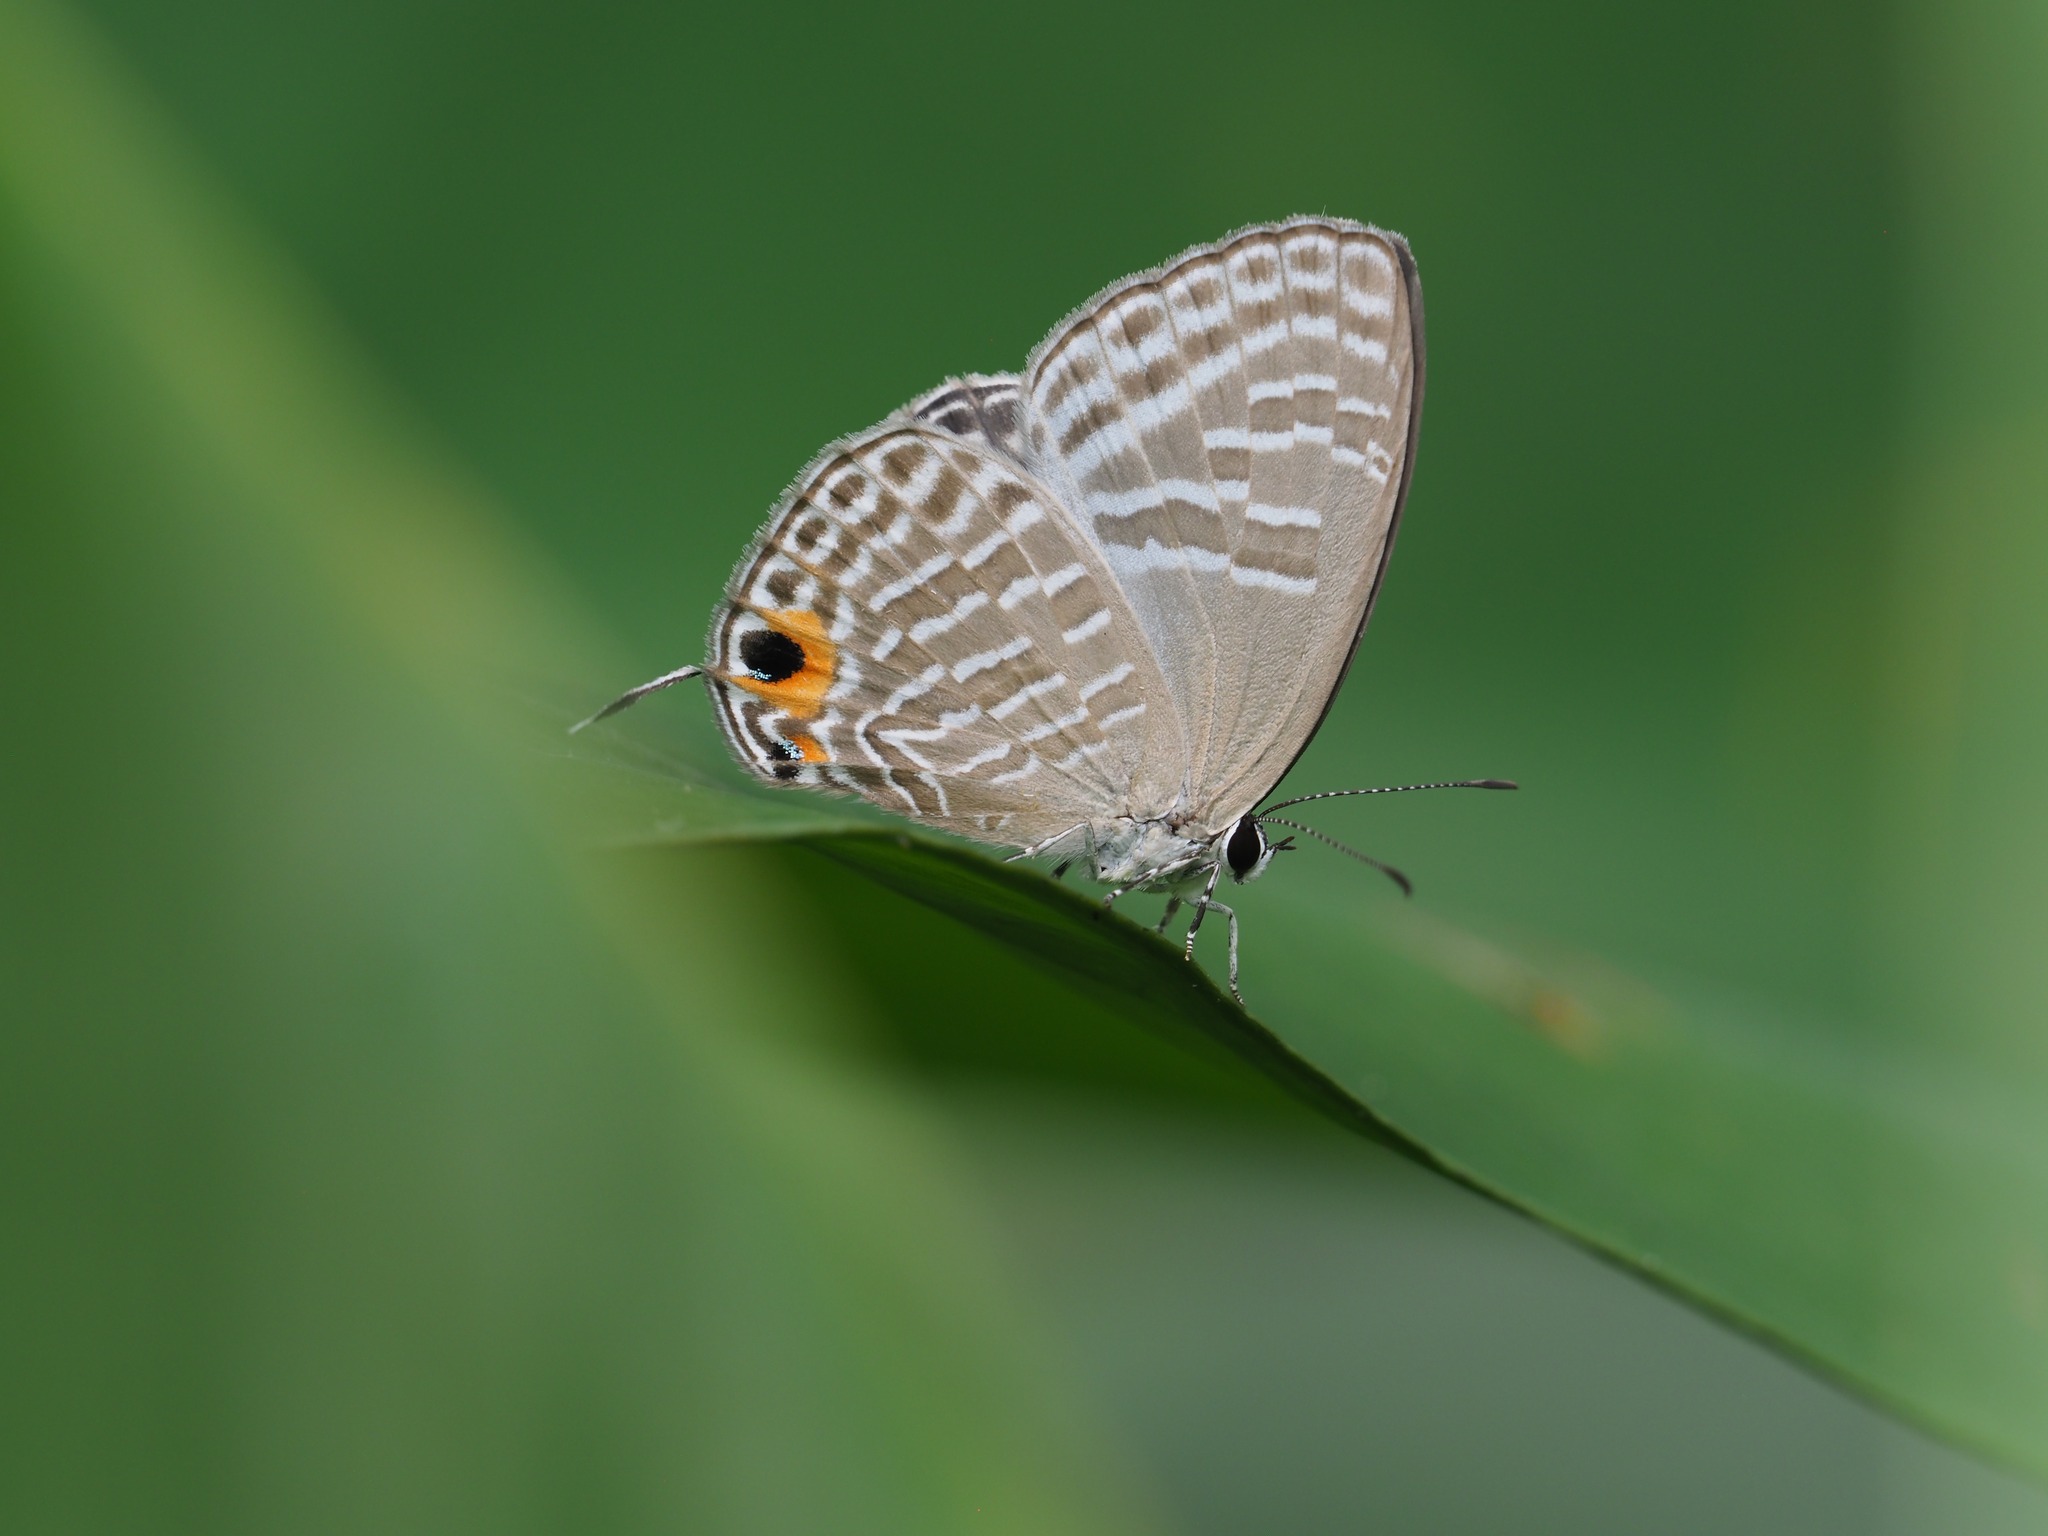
{"x": 792, "y": 759}
{"x": 771, "y": 655}
{"x": 1246, "y": 847}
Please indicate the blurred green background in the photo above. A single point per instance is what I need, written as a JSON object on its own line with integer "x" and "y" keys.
{"x": 379, "y": 1166}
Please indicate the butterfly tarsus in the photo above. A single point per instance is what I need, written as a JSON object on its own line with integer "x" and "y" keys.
{"x": 1204, "y": 905}
{"x": 1173, "y": 905}
{"x": 1231, "y": 914}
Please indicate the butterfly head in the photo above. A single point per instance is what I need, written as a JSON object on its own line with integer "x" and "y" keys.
{"x": 1247, "y": 850}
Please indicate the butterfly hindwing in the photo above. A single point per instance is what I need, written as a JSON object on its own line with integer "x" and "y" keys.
{"x": 921, "y": 624}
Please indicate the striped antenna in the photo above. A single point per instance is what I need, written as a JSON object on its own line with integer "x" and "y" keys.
{"x": 1393, "y": 874}
{"x": 1395, "y": 789}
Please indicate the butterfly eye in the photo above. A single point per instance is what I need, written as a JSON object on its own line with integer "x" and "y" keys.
{"x": 1246, "y": 847}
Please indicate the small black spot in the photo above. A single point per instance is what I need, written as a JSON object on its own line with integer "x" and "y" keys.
{"x": 786, "y": 771}
{"x": 1246, "y": 847}
{"x": 771, "y": 655}
{"x": 792, "y": 758}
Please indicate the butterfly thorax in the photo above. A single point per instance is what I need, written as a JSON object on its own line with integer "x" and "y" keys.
{"x": 1127, "y": 852}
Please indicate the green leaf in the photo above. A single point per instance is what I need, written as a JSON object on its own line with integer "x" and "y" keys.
{"x": 1866, "y": 1190}
{"x": 1875, "y": 1212}
{"x": 378, "y": 1158}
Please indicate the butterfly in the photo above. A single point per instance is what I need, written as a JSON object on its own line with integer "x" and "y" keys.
{"x": 1096, "y": 610}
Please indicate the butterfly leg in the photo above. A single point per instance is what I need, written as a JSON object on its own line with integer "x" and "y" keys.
{"x": 1157, "y": 879}
{"x": 1202, "y": 904}
{"x": 1173, "y": 905}
{"x": 1046, "y": 845}
{"x": 1232, "y": 915}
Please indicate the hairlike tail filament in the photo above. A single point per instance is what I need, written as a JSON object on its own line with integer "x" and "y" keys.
{"x": 635, "y": 695}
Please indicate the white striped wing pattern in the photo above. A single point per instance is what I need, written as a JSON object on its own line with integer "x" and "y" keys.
{"x": 1123, "y": 585}
{"x": 1236, "y": 430}
{"x": 921, "y": 625}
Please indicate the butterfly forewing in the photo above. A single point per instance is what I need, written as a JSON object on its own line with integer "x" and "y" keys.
{"x": 921, "y": 624}
{"x": 1235, "y": 431}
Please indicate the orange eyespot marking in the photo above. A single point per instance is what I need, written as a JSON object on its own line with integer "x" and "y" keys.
{"x": 791, "y": 664}
{"x": 808, "y": 745}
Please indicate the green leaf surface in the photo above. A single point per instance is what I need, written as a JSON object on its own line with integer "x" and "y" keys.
{"x": 377, "y": 1157}
{"x": 1874, "y": 1212}
{"x": 1863, "y": 1180}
